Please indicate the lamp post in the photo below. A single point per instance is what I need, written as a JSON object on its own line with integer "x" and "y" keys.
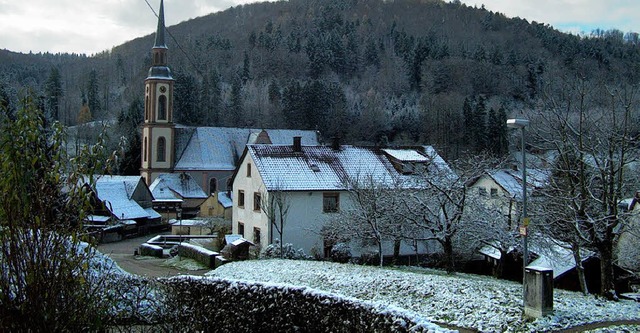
{"x": 179, "y": 217}
{"x": 521, "y": 124}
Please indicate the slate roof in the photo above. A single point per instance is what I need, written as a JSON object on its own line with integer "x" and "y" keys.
{"x": 321, "y": 168}
{"x": 173, "y": 186}
{"x": 116, "y": 192}
{"x": 218, "y": 148}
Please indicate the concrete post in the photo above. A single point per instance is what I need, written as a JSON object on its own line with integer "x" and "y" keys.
{"x": 538, "y": 291}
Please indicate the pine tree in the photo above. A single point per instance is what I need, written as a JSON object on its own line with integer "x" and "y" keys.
{"x": 53, "y": 91}
{"x": 185, "y": 101}
{"x": 480, "y": 120}
{"x": 235, "y": 107}
{"x": 93, "y": 94}
{"x": 246, "y": 68}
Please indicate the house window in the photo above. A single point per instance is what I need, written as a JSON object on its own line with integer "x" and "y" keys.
{"x": 162, "y": 107}
{"x": 213, "y": 186}
{"x": 256, "y": 236}
{"x": 144, "y": 149}
{"x": 494, "y": 192}
{"x": 162, "y": 149}
{"x": 482, "y": 191}
{"x": 248, "y": 169}
{"x": 330, "y": 202}
{"x": 241, "y": 229}
{"x": 257, "y": 201}
{"x": 241, "y": 198}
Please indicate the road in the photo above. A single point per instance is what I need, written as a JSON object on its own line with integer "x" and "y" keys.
{"x": 122, "y": 253}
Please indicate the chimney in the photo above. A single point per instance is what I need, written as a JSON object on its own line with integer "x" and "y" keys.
{"x": 297, "y": 144}
{"x": 335, "y": 143}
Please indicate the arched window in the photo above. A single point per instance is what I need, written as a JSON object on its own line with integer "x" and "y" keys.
{"x": 213, "y": 186}
{"x": 162, "y": 107}
{"x": 162, "y": 149}
{"x": 146, "y": 108}
{"x": 144, "y": 149}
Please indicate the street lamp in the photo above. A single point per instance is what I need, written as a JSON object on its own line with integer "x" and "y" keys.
{"x": 521, "y": 124}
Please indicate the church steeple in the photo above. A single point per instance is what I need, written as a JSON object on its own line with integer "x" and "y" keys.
{"x": 158, "y": 127}
{"x": 160, "y": 32}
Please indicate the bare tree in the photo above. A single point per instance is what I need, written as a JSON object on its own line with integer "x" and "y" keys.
{"x": 441, "y": 207}
{"x": 275, "y": 205}
{"x": 590, "y": 129}
{"x": 370, "y": 217}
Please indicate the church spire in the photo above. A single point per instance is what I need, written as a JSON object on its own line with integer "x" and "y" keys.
{"x": 160, "y": 32}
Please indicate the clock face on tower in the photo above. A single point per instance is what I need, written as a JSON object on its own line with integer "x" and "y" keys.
{"x": 163, "y": 89}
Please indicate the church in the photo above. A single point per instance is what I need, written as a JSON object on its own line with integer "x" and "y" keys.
{"x": 209, "y": 155}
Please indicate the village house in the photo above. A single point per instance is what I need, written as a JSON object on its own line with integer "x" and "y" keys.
{"x": 176, "y": 192}
{"x": 312, "y": 180}
{"x": 122, "y": 201}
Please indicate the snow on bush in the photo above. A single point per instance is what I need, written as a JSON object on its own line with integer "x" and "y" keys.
{"x": 340, "y": 252}
{"x": 461, "y": 300}
{"x": 288, "y": 251}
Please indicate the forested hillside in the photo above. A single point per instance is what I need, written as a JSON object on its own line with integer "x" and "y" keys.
{"x": 369, "y": 71}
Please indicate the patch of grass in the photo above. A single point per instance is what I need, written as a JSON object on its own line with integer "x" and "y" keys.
{"x": 183, "y": 264}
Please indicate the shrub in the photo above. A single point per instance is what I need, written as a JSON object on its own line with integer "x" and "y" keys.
{"x": 340, "y": 252}
{"x": 288, "y": 252}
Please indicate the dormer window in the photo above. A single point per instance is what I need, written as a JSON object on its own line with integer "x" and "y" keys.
{"x": 315, "y": 168}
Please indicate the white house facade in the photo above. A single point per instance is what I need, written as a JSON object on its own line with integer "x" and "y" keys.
{"x": 312, "y": 179}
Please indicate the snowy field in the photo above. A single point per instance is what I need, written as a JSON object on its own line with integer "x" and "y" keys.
{"x": 469, "y": 301}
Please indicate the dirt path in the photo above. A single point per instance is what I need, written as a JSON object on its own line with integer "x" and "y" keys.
{"x": 122, "y": 253}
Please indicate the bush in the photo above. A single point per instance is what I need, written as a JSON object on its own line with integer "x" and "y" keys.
{"x": 219, "y": 305}
{"x": 286, "y": 251}
{"x": 340, "y": 252}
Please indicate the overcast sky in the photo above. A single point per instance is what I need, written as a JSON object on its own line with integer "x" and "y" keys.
{"x": 90, "y": 26}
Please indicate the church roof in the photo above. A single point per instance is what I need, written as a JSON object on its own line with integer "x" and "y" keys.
{"x": 219, "y": 148}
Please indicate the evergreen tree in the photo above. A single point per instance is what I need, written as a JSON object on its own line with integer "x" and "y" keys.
{"x": 93, "y": 94}
{"x": 236, "y": 108}
{"x": 246, "y": 68}
{"x": 185, "y": 101}
{"x": 129, "y": 121}
{"x": 497, "y": 132}
{"x": 53, "y": 91}
{"x": 469, "y": 123}
{"x": 480, "y": 124}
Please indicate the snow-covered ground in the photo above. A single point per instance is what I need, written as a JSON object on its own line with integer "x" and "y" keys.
{"x": 469, "y": 301}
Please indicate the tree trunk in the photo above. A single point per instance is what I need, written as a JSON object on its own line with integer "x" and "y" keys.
{"x": 447, "y": 246}
{"x": 579, "y": 268}
{"x": 396, "y": 251}
{"x": 607, "y": 286}
{"x": 380, "y": 252}
{"x": 498, "y": 270}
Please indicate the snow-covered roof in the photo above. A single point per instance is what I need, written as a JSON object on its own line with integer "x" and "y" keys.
{"x": 224, "y": 198}
{"x": 558, "y": 258}
{"x": 323, "y": 168}
{"x": 406, "y": 155}
{"x": 116, "y": 192}
{"x": 218, "y": 148}
{"x": 188, "y": 223}
{"x": 98, "y": 218}
{"x": 172, "y": 186}
{"x": 511, "y": 181}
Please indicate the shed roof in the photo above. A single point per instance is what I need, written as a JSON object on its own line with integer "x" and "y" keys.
{"x": 172, "y": 186}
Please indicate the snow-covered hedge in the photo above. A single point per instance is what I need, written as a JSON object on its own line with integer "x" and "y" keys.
{"x": 219, "y": 305}
{"x": 199, "y": 254}
{"x": 151, "y": 250}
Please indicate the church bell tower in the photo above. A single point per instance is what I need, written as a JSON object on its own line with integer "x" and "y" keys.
{"x": 158, "y": 129}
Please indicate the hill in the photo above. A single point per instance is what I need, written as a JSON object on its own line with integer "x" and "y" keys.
{"x": 365, "y": 70}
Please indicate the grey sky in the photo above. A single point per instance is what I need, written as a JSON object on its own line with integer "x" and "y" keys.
{"x": 90, "y": 26}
